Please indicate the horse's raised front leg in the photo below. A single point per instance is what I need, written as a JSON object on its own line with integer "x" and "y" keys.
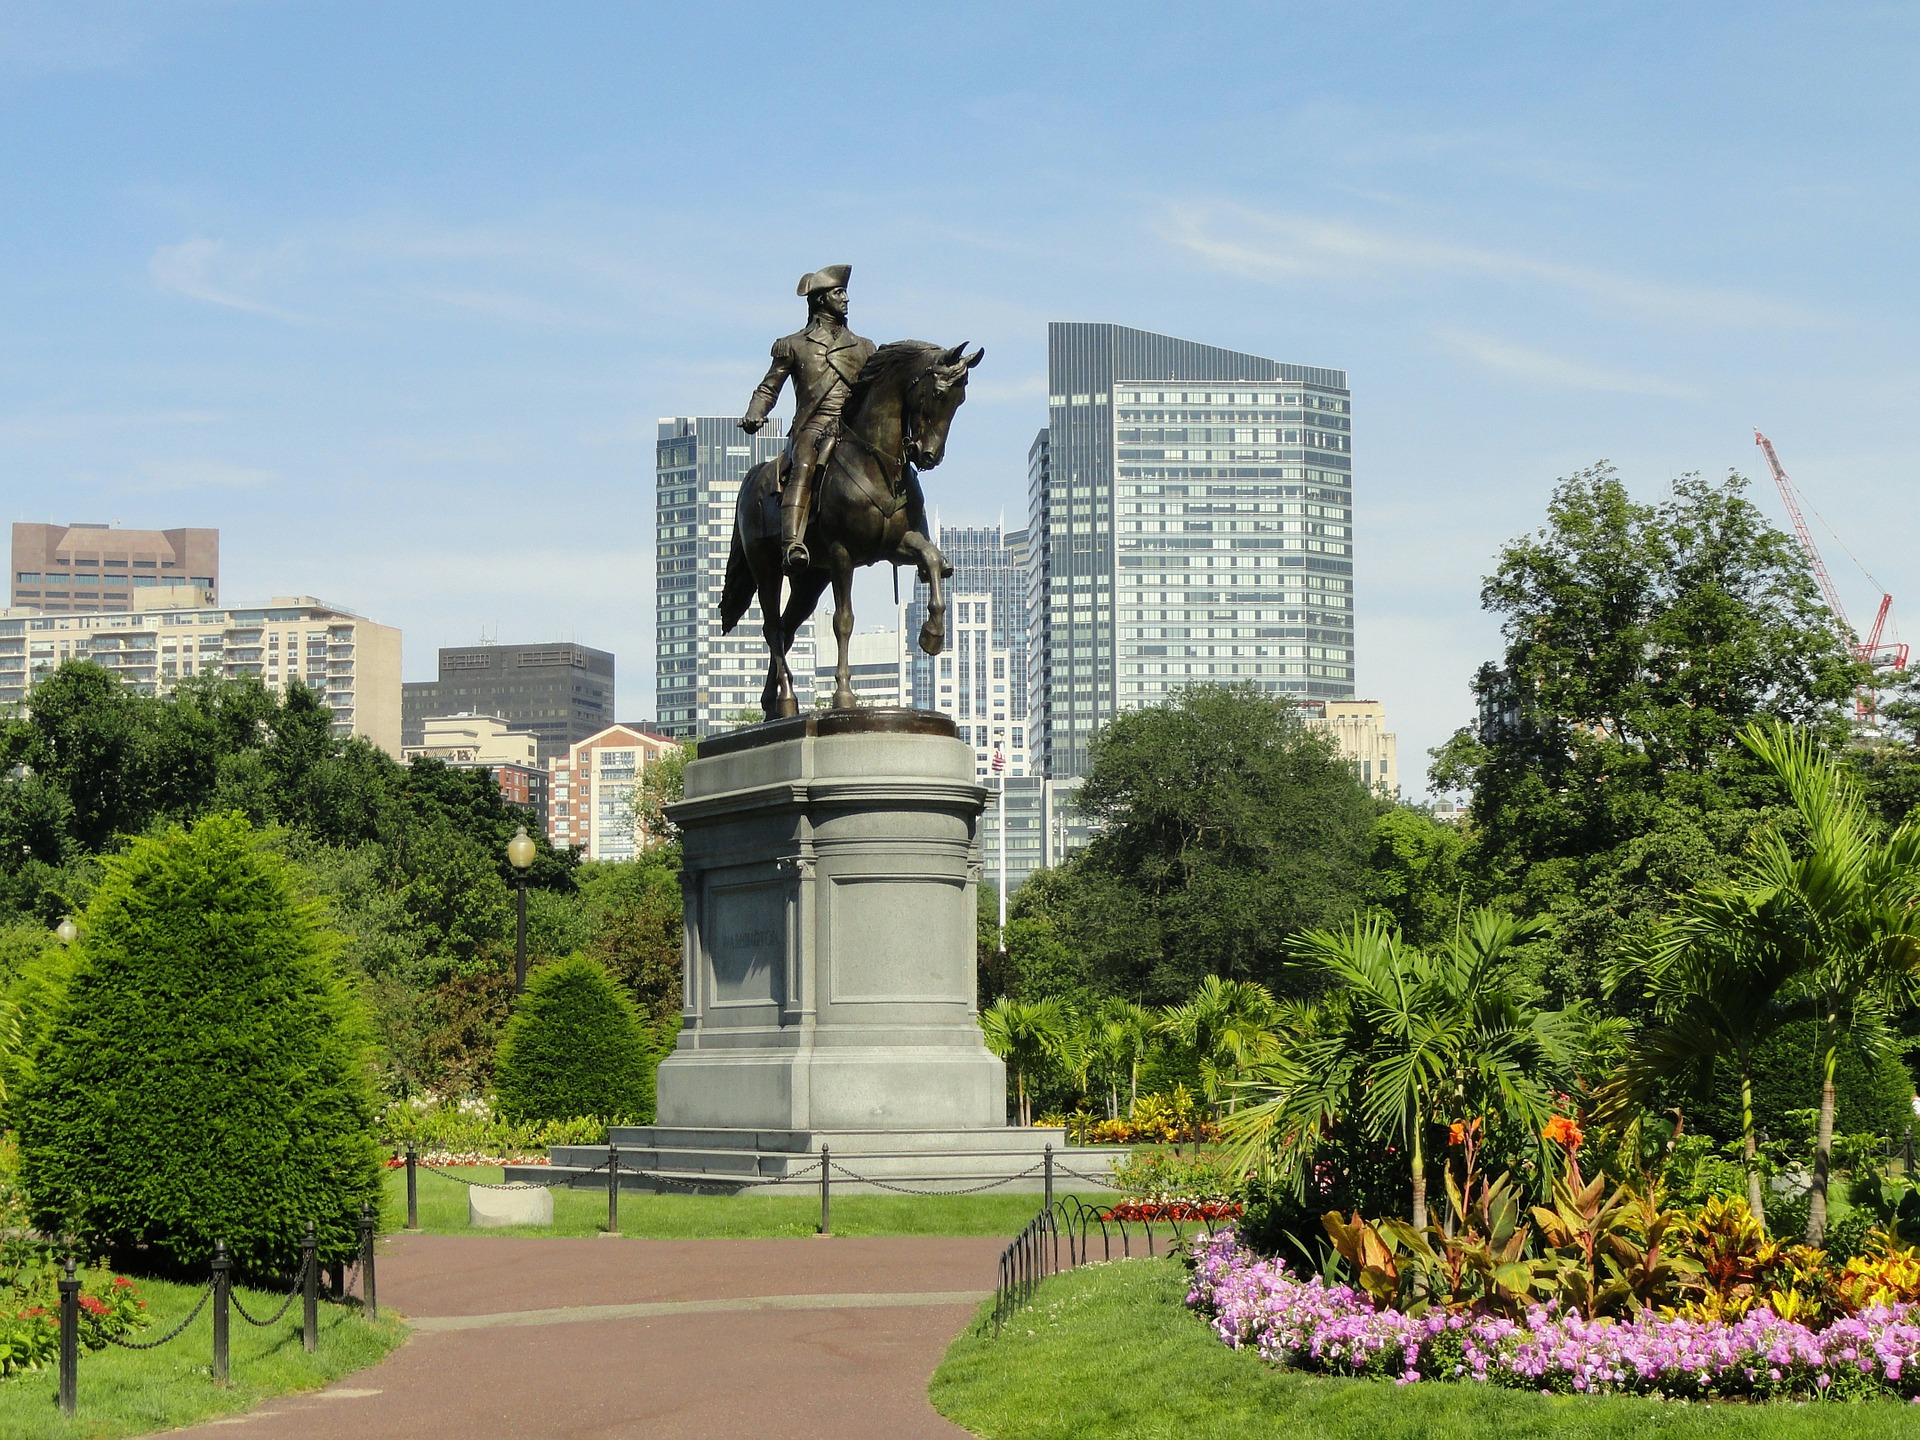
{"x": 843, "y": 696}
{"x": 918, "y": 550}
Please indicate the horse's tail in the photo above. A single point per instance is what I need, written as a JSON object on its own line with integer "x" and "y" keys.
{"x": 737, "y": 594}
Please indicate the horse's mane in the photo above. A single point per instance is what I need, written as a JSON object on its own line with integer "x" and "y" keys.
{"x": 885, "y": 364}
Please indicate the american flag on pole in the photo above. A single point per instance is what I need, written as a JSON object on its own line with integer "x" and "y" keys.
{"x": 999, "y": 759}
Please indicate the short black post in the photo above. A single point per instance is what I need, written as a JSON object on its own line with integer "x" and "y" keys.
{"x": 69, "y": 1339}
{"x": 413, "y": 1191}
{"x": 310, "y": 1290}
{"x": 1049, "y": 1164}
{"x": 826, "y": 1191}
{"x": 369, "y": 1296}
{"x": 222, "y": 1292}
{"x": 613, "y": 1188}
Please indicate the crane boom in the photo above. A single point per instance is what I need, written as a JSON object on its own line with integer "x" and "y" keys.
{"x": 1812, "y": 551}
{"x": 1891, "y": 657}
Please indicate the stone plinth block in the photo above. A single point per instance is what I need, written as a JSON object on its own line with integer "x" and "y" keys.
{"x": 830, "y": 869}
{"x": 486, "y": 1208}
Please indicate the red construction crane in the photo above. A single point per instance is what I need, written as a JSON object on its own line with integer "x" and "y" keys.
{"x": 1891, "y": 656}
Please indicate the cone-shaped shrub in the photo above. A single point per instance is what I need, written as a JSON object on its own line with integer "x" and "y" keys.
{"x": 203, "y": 1074}
{"x": 575, "y": 1046}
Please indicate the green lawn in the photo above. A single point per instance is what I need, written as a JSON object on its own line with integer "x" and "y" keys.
{"x": 1111, "y": 1353}
{"x": 132, "y": 1393}
{"x": 443, "y": 1211}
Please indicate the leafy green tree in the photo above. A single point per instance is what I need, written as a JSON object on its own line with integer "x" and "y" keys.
{"x": 576, "y": 1046}
{"x": 1607, "y": 774}
{"x": 663, "y": 781}
{"x": 1224, "y": 826}
{"x": 203, "y": 1072}
{"x": 634, "y": 917}
{"x": 1403, "y": 1038}
{"x": 1414, "y": 875}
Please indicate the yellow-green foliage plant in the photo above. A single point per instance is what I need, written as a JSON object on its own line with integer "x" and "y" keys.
{"x": 203, "y": 1073}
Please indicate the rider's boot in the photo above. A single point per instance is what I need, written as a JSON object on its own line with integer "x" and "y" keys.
{"x": 793, "y": 519}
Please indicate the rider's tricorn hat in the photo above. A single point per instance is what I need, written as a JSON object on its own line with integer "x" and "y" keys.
{"x": 827, "y": 277}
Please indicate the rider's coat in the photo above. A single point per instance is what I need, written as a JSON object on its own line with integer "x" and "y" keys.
{"x": 823, "y": 360}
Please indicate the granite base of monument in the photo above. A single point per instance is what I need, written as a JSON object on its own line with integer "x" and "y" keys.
{"x": 830, "y": 869}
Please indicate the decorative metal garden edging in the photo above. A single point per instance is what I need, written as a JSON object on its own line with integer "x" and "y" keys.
{"x": 1035, "y": 1252}
{"x": 219, "y": 1292}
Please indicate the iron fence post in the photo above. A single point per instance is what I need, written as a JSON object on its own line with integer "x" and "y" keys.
{"x": 369, "y": 1295}
{"x": 222, "y": 1292}
{"x": 310, "y": 1290}
{"x": 613, "y": 1188}
{"x": 826, "y": 1191}
{"x": 1906, "y": 1151}
{"x": 69, "y": 1339}
{"x": 413, "y": 1190}
{"x": 1049, "y": 1162}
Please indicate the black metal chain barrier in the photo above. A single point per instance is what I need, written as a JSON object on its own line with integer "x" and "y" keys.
{"x": 566, "y": 1179}
{"x": 1026, "y": 1174}
{"x": 1106, "y": 1180}
{"x": 173, "y": 1334}
{"x": 299, "y": 1289}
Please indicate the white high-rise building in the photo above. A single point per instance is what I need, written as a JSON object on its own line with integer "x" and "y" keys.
{"x": 1190, "y": 521}
{"x": 973, "y": 683}
{"x": 705, "y": 680}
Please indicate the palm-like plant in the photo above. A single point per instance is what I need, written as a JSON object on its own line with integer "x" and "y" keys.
{"x": 1718, "y": 977}
{"x": 1228, "y": 1026}
{"x": 1127, "y": 1035}
{"x": 1849, "y": 912}
{"x": 1032, "y": 1036}
{"x": 1401, "y": 1031}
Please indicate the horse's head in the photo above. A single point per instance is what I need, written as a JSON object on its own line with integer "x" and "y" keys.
{"x": 936, "y": 393}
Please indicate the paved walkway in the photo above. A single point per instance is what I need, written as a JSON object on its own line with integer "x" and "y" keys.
{"x": 675, "y": 1339}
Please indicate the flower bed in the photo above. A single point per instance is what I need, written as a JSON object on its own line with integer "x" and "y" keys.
{"x": 110, "y": 1308}
{"x": 1258, "y": 1304}
{"x": 448, "y": 1159}
{"x": 1158, "y": 1209}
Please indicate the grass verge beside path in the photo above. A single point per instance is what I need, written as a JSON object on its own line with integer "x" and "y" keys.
{"x": 125, "y": 1392}
{"x": 1110, "y": 1352}
{"x": 443, "y": 1211}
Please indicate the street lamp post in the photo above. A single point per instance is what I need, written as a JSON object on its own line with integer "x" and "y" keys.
{"x": 520, "y": 853}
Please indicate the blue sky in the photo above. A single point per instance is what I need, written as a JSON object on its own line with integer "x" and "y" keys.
{"x": 394, "y": 294}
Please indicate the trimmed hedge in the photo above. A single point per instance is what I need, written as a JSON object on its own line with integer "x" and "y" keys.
{"x": 203, "y": 1072}
{"x": 576, "y": 1046}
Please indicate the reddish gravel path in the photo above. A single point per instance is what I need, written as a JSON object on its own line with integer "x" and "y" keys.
{"x": 675, "y": 1339}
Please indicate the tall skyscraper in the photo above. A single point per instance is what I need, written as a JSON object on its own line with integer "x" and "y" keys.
{"x": 1190, "y": 517}
{"x": 561, "y": 692}
{"x": 87, "y": 569}
{"x": 704, "y": 680}
{"x": 987, "y": 560}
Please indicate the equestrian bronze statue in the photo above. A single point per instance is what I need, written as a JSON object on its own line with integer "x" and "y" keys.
{"x": 845, "y": 493}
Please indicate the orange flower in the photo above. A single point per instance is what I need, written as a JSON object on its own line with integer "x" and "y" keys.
{"x": 1456, "y": 1134}
{"x": 1562, "y": 1130}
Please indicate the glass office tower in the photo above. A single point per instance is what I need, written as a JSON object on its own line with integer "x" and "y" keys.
{"x": 1190, "y": 521}
{"x": 705, "y": 680}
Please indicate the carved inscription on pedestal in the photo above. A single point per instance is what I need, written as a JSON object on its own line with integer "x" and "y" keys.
{"x": 746, "y": 936}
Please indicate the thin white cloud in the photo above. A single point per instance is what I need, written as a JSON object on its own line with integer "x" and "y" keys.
{"x": 1275, "y": 247}
{"x": 206, "y": 270}
{"x": 1556, "y": 371}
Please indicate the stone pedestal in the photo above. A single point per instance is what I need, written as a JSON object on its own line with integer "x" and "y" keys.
{"x": 830, "y": 869}
{"x": 830, "y": 865}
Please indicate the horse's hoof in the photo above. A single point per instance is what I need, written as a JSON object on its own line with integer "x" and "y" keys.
{"x": 932, "y": 638}
{"x": 787, "y": 708}
{"x": 845, "y": 700}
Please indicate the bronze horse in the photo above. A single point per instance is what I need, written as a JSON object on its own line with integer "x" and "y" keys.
{"x": 867, "y": 508}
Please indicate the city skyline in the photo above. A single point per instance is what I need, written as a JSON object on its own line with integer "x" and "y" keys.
{"x": 406, "y": 345}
